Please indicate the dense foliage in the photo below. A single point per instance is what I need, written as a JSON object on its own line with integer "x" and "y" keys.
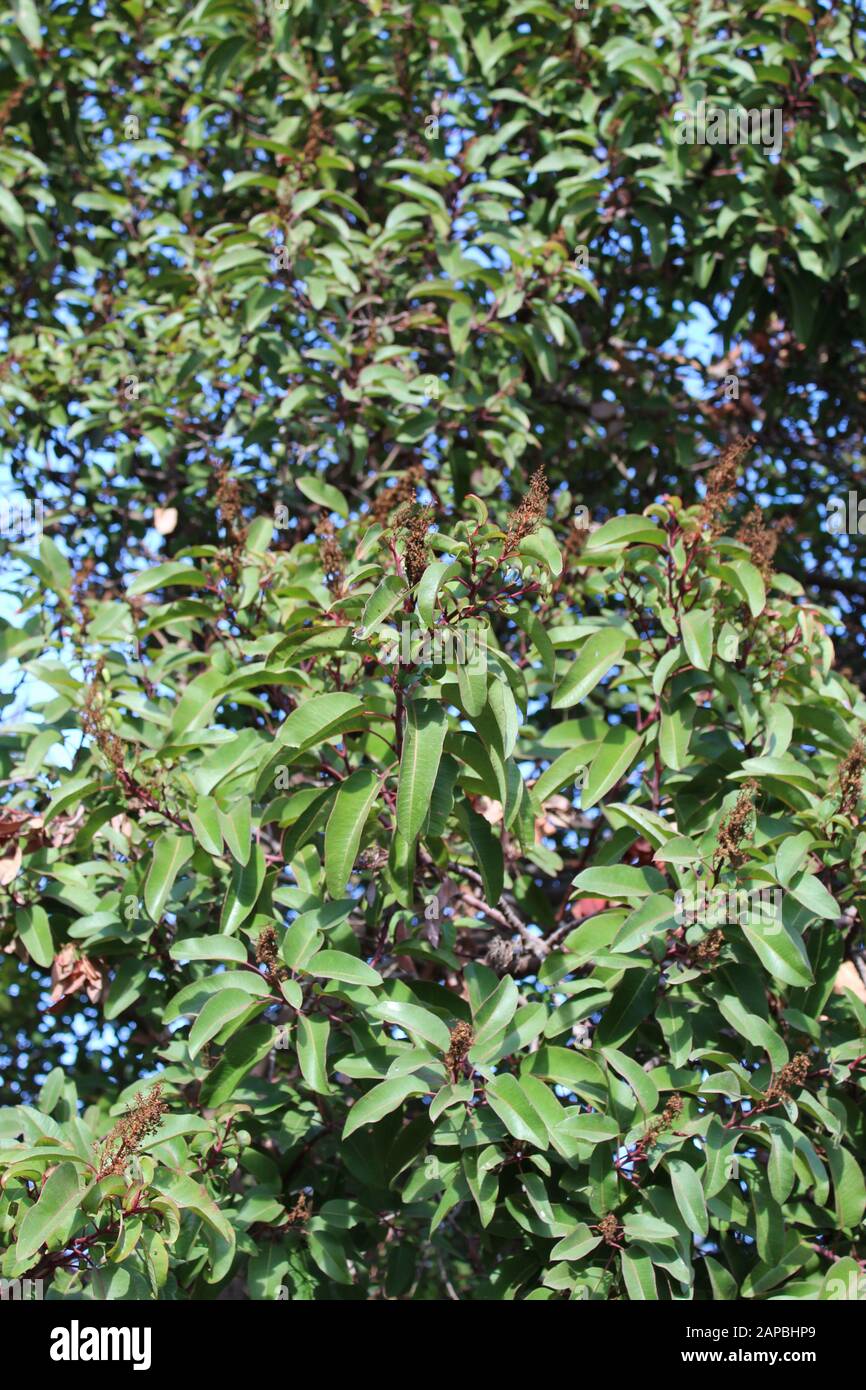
{"x": 361, "y": 235}
{"x": 372, "y": 862}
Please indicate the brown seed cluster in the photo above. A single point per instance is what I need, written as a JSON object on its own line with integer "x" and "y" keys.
{"x": 499, "y": 954}
{"x": 374, "y": 858}
{"x": 301, "y": 1211}
{"x": 793, "y": 1074}
{"x": 721, "y": 485}
{"x": 230, "y": 503}
{"x": 851, "y": 777}
{"x": 415, "y": 523}
{"x": 315, "y": 136}
{"x": 530, "y": 512}
{"x": 708, "y": 948}
{"x": 331, "y": 556}
{"x": 608, "y": 1228}
{"x": 123, "y": 1143}
{"x": 735, "y": 828}
{"x": 267, "y": 954}
{"x": 81, "y": 581}
{"x": 93, "y": 721}
{"x": 669, "y": 1115}
{"x": 403, "y": 492}
{"x": 762, "y": 540}
{"x": 461, "y": 1041}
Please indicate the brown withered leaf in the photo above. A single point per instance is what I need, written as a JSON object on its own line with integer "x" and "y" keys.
{"x": 13, "y": 823}
{"x": 489, "y": 809}
{"x": 70, "y": 973}
{"x": 11, "y": 856}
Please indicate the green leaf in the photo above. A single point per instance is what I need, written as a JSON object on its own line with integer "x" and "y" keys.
{"x": 633, "y": 1001}
{"x": 689, "y": 1194}
{"x": 382, "y": 602}
{"x": 621, "y": 531}
{"x": 163, "y": 576}
{"x": 413, "y": 1019}
{"x": 638, "y": 1275}
{"x": 809, "y": 890}
{"x": 236, "y": 829}
{"x": 339, "y": 965}
{"x": 423, "y": 741}
{"x": 313, "y": 1036}
{"x": 697, "y": 635}
{"x": 323, "y": 494}
{"x": 675, "y": 733}
{"x": 472, "y": 677}
{"x": 209, "y": 948}
{"x": 541, "y": 545}
{"x": 747, "y": 581}
{"x": 640, "y": 1081}
{"x": 380, "y": 1101}
{"x": 429, "y": 585}
{"x": 314, "y": 720}
{"x": 496, "y": 1012}
{"x": 34, "y": 929}
{"x": 52, "y": 1213}
{"x": 170, "y": 853}
{"x": 205, "y": 821}
{"x": 574, "y": 1246}
{"x": 620, "y": 881}
{"x": 514, "y": 1108}
{"x": 849, "y": 1189}
{"x": 27, "y": 19}
{"x": 781, "y": 953}
{"x": 219, "y": 1010}
{"x": 240, "y": 1055}
{"x": 597, "y": 656}
{"x": 245, "y": 885}
{"x": 345, "y": 827}
{"x": 612, "y": 761}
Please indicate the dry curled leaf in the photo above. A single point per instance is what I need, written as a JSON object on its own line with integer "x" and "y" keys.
{"x": 10, "y": 862}
{"x": 70, "y": 973}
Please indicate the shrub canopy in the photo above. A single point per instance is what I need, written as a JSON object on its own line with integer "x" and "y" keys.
{"x": 368, "y": 863}
{"x": 320, "y": 233}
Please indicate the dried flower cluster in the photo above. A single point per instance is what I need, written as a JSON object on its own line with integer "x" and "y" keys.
{"x": 415, "y": 523}
{"x": 608, "y": 1228}
{"x": 669, "y": 1115}
{"x": 734, "y": 829}
{"x": 461, "y": 1041}
{"x": 722, "y": 483}
{"x": 301, "y": 1211}
{"x": 403, "y": 492}
{"x": 530, "y": 512}
{"x": 141, "y": 1120}
{"x": 793, "y": 1074}
{"x": 230, "y": 503}
{"x": 268, "y": 955}
{"x": 851, "y": 777}
{"x": 499, "y": 954}
{"x": 709, "y": 947}
{"x": 762, "y": 540}
{"x": 331, "y": 556}
{"x": 93, "y": 721}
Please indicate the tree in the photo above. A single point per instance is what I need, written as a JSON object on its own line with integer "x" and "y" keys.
{"x": 472, "y": 910}
{"x": 359, "y": 237}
